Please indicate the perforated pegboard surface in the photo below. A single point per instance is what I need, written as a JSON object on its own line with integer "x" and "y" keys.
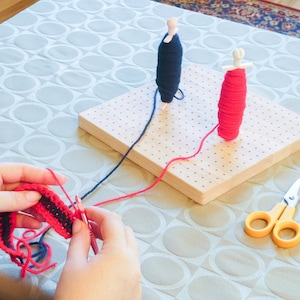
{"x": 268, "y": 134}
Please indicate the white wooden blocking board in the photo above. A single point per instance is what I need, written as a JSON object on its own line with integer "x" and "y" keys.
{"x": 269, "y": 133}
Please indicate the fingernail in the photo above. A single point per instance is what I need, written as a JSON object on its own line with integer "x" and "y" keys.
{"x": 32, "y": 196}
{"x": 77, "y": 226}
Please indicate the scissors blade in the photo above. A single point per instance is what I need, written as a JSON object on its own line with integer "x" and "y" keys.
{"x": 291, "y": 198}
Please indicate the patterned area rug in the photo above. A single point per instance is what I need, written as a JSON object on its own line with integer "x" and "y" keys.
{"x": 261, "y": 14}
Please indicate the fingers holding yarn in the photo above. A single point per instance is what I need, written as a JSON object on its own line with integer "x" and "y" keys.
{"x": 110, "y": 227}
{"x": 25, "y": 221}
{"x": 16, "y": 201}
{"x": 79, "y": 244}
{"x": 131, "y": 240}
{"x": 14, "y": 173}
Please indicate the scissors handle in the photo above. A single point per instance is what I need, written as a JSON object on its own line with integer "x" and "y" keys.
{"x": 286, "y": 222}
{"x": 269, "y": 217}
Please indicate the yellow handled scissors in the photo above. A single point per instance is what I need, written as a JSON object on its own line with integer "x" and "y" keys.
{"x": 278, "y": 219}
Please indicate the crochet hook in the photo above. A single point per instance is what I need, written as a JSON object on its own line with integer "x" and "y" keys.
{"x": 85, "y": 220}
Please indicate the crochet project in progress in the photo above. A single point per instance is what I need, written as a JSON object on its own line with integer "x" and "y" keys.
{"x": 55, "y": 213}
{"x": 59, "y": 217}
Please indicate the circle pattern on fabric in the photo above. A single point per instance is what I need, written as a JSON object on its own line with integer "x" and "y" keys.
{"x": 76, "y": 79}
{"x": 229, "y": 29}
{"x": 213, "y": 287}
{"x": 131, "y": 75}
{"x": 162, "y": 270}
{"x": 218, "y": 42}
{"x": 30, "y": 42}
{"x": 44, "y": 7}
{"x": 134, "y": 36}
{"x": 201, "y": 215}
{"x": 31, "y": 113}
{"x": 283, "y": 282}
{"x": 7, "y": 100}
{"x": 188, "y": 34}
{"x": 116, "y": 49}
{"x": 267, "y": 38}
{"x": 42, "y": 147}
{"x": 145, "y": 60}
{"x": 23, "y": 19}
{"x": 83, "y": 39}
{"x": 42, "y": 67}
{"x": 11, "y": 56}
{"x": 85, "y": 104}
{"x": 293, "y": 47}
{"x": 292, "y": 104}
{"x": 101, "y": 26}
{"x": 201, "y": 56}
{"x": 10, "y": 132}
{"x": 128, "y": 178}
{"x": 167, "y": 12}
{"x": 186, "y": 241}
{"x": 204, "y": 21}
{"x": 82, "y": 161}
{"x": 109, "y": 90}
{"x": 274, "y": 79}
{"x": 151, "y": 23}
{"x": 94, "y": 63}
{"x": 141, "y": 4}
{"x": 6, "y": 31}
{"x": 143, "y": 220}
{"x": 236, "y": 262}
{"x": 71, "y": 16}
{"x": 63, "y": 127}
{"x": 287, "y": 63}
{"x": 255, "y": 53}
{"x": 121, "y": 14}
{"x": 52, "y": 29}
{"x": 63, "y": 52}
{"x": 90, "y": 6}
{"x": 54, "y": 95}
{"x": 20, "y": 83}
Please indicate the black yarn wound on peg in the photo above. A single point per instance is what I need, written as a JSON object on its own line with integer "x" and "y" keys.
{"x": 168, "y": 70}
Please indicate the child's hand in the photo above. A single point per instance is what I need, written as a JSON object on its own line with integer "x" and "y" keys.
{"x": 11, "y": 176}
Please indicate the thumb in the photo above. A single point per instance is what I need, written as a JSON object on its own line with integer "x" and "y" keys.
{"x": 15, "y": 201}
{"x": 79, "y": 244}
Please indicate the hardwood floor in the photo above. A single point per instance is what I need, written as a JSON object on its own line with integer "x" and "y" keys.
{"x": 9, "y": 8}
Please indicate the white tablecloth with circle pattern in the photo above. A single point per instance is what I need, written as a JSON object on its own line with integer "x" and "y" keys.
{"x": 58, "y": 58}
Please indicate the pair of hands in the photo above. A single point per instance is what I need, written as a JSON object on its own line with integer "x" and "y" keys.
{"x": 114, "y": 273}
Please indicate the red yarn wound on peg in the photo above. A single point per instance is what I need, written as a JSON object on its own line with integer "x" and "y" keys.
{"x": 232, "y": 104}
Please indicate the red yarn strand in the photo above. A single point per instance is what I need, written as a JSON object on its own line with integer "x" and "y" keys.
{"x": 164, "y": 171}
{"x": 30, "y": 264}
{"x": 62, "y": 188}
